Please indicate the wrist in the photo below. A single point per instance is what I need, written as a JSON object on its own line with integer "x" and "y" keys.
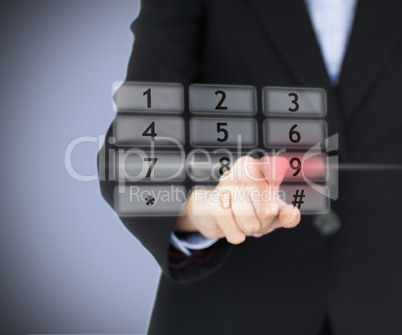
{"x": 186, "y": 221}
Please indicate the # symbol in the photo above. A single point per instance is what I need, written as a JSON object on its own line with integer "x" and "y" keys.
{"x": 298, "y": 199}
{"x": 150, "y": 200}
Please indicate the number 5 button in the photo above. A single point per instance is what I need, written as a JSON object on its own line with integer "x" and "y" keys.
{"x": 294, "y": 134}
{"x": 223, "y": 132}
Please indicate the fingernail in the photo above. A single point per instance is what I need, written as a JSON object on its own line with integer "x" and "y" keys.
{"x": 291, "y": 223}
{"x": 257, "y": 235}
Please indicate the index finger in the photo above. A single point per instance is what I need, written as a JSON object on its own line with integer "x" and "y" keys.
{"x": 274, "y": 170}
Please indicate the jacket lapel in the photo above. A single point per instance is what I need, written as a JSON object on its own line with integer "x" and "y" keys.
{"x": 376, "y": 32}
{"x": 287, "y": 24}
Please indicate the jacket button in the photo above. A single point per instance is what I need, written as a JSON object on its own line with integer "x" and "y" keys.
{"x": 327, "y": 224}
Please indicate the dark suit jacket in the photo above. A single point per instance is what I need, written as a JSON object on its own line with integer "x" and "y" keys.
{"x": 289, "y": 281}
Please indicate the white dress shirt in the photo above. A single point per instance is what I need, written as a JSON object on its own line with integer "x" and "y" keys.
{"x": 332, "y": 21}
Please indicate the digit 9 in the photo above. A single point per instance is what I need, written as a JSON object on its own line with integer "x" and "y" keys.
{"x": 296, "y": 165}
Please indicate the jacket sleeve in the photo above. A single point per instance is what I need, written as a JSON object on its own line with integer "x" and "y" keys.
{"x": 167, "y": 48}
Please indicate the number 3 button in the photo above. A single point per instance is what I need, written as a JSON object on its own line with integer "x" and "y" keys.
{"x": 294, "y": 102}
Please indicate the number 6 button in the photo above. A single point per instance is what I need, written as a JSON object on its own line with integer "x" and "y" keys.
{"x": 294, "y": 133}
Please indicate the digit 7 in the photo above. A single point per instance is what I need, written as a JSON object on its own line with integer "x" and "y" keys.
{"x": 153, "y": 160}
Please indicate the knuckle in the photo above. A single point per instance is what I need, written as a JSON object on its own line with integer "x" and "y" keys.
{"x": 274, "y": 208}
{"x": 250, "y": 226}
{"x": 269, "y": 213}
{"x": 241, "y": 161}
{"x": 209, "y": 234}
{"x": 236, "y": 238}
{"x": 238, "y": 162}
{"x": 266, "y": 214}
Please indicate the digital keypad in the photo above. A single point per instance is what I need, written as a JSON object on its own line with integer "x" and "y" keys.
{"x": 158, "y": 151}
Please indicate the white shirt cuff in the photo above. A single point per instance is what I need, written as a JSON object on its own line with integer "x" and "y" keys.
{"x": 193, "y": 241}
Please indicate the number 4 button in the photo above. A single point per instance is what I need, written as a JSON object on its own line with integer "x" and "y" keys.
{"x": 143, "y": 131}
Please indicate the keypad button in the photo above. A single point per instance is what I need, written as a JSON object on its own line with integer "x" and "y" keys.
{"x": 302, "y": 166}
{"x": 162, "y": 200}
{"x": 149, "y": 97}
{"x": 209, "y": 166}
{"x": 159, "y": 166}
{"x": 308, "y": 199}
{"x": 218, "y": 99}
{"x": 294, "y": 133}
{"x": 223, "y": 132}
{"x": 140, "y": 131}
{"x": 294, "y": 102}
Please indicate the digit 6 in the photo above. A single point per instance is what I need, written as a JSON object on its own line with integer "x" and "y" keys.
{"x": 294, "y": 135}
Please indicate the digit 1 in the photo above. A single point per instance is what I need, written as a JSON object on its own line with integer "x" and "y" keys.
{"x": 148, "y": 94}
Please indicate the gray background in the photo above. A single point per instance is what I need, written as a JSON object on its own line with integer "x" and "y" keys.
{"x": 67, "y": 263}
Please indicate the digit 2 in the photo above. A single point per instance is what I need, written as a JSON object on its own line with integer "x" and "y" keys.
{"x": 219, "y": 105}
